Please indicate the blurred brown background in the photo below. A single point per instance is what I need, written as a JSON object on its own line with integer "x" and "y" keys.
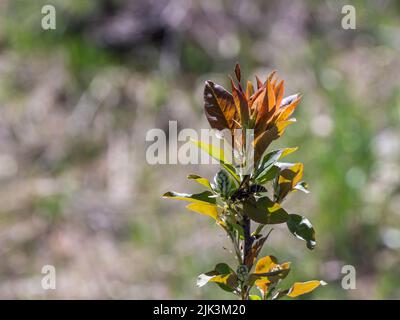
{"x": 76, "y": 104}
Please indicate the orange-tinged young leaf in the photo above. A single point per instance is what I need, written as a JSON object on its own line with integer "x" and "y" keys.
{"x": 300, "y": 288}
{"x": 287, "y": 111}
{"x": 262, "y": 142}
{"x": 271, "y": 76}
{"x": 219, "y": 107}
{"x": 288, "y": 100}
{"x": 237, "y": 72}
{"x": 279, "y": 92}
{"x": 266, "y": 108}
{"x": 241, "y": 105}
{"x": 254, "y": 97}
{"x": 281, "y": 125}
{"x": 259, "y": 83}
{"x": 249, "y": 90}
{"x": 271, "y": 96}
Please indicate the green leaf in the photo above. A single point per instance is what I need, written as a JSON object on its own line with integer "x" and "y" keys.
{"x": 265, "y": 211}
{"x": 302, "y": 228}
{"x": 238, "y": 228}
{"x": 254, "y": 297}
{"x": 269, "y": 160}
{"x": 200, "y": 180}
{"x": 268, "y": 174}
{"x": 223, "y": 184}
{"x": 203, "y": 197}
{"x": 218, "y": 154}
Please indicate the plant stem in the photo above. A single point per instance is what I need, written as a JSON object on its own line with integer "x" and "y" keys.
{"x": 248, "y": 242}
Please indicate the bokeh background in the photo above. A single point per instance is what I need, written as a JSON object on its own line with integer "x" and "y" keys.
{"x": 76, "y": 104}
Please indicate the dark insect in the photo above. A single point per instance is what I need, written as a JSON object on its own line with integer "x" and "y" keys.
{"x": 242, "y": 194}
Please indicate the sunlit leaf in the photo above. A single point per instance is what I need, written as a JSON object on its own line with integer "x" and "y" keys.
{"x": 203, "y": 197}
{"x": 268, "y": 161}
{"x": 200, "y": 180}
{"x": 266, "y": 263}
{"x": 270, "y": 263}
{"x": 302, "y": 228}
{"x": 288, "y": 100}
{"x": 259, "y": 83}
{"x": 219, "y": 106}
{"x": 265, "y": 105}
{"x": 265, "y": 211}
{"x": 205, "y": 209}
{"x": 218, "y": 154}
{"x": 249, "y": 90}
{"x": 281, "y": 125}
{"x": 302, "y": 186}
{"x": 241, "y": 105}
{"x": 222, "y": 275}
{"x": 263, "y": 286}
{"x": 300, "y": 288}
{"x": 266, "y": 277}
{"x": 279, "y": 92}
{"x": 289, "y": 176}
{"x": 287, "y": 111}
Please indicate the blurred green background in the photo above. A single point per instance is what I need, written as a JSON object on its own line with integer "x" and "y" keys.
{"x": 76, "y": 104}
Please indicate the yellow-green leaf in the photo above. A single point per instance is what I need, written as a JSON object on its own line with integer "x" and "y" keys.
{"x": 222, "y": 275}
{"x": 219, "y": 155}
{"x": 289, "y": 176}
{"x": 205, "y": 209}
{"x": 203, "y": 197}
{"x": 200, "y": 180}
